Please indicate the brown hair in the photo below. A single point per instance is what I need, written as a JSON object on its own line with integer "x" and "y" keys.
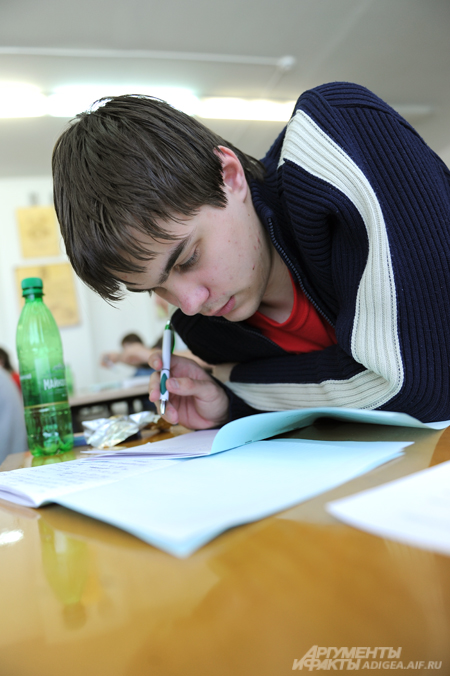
{"x": 132, "y": 162}
{"x": 5, "y": 361}
{"x": 131, "y": 338}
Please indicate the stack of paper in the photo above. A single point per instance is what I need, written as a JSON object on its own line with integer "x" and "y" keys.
{"x": 191, "y": 445}
{"x": 261, "y": 426}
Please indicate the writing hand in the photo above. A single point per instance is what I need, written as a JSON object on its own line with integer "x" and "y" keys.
{"x": 195, "y": 399}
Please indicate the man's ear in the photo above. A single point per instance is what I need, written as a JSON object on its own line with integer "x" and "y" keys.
{"x": 233, "y": 172}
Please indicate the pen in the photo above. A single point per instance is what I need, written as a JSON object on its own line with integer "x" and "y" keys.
{"x": 167, "y": 347}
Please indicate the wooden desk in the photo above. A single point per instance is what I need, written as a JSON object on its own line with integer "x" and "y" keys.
{"x": 81, "y": 598}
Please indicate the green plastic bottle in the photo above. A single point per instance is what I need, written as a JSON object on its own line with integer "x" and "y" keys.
{"x": 42, "y": 375}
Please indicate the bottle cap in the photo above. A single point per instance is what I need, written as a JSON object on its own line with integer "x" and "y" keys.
{"x": 31, "y": 285}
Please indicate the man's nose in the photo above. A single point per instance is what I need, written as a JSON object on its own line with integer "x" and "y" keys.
{"x": 191, "y": 297}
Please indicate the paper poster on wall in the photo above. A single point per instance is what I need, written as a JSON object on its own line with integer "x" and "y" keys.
{"x": 38, "y": 231}
{"x": 59, "y": 290}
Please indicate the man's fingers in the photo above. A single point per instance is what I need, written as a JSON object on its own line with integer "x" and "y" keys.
{"x": 171, "y": 414}
{"x": 188, "y": 387}
{"x": 153, "y": 387}
{"x": 195, "y": 403}
{"x": 155, "y": 360}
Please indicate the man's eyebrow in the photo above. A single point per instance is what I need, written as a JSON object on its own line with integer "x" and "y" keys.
{"x": 176, "y": 253}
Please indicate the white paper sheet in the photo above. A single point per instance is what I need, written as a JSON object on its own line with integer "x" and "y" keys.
{"x": 35, "y": 486}
{"x": 190, "y": 445}
{"x": 414, "y": 510}
{"x": 262, "y": 426}
{"x": 181, "y": 507}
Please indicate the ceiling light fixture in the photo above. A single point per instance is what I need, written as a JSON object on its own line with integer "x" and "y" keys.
{"x": 413, "y": 111}
{"x": 70, "y": 100}
{"x": 228, "y": 108}
{"x": 18, "y": 100}
{"x": 21, "y": 100}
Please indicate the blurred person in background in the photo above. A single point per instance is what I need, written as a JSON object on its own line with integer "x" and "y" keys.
{"x": 13, "y": 436}
{"x": 5, "y": 362}
{"x": 134, "y": 353}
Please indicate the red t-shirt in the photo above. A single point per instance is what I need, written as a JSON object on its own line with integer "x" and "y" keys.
{"x": 305, "y": 330}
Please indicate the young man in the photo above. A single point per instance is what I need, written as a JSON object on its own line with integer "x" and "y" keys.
{"x": 319, "y": 277}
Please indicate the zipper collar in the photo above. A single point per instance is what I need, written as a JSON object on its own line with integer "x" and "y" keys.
{"x": 271, "y": 214}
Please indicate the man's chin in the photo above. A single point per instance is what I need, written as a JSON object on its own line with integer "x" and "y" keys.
{"x": 240, "y": 313}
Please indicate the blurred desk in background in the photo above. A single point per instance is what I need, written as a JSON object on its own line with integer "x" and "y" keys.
{"x": 102, "y": 400}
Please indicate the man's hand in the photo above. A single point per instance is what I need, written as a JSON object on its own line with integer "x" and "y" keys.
{"x": 135, "y": 354}
{"x": 195, "y": 399}
{"x": 108, "y": 359}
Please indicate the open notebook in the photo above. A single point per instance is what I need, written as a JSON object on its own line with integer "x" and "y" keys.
{"x": 179, "y": 505}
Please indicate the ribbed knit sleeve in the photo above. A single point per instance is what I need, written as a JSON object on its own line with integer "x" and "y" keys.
{"x": 367, "y": 232}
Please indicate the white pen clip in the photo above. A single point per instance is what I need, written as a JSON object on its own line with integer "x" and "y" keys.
{"x": 167, "y": 346}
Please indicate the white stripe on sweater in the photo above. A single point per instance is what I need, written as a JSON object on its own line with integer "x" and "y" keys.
{"x": 374, "y": 337}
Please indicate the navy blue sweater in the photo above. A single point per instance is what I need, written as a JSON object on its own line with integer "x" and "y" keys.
{"x": 358, "y": 206}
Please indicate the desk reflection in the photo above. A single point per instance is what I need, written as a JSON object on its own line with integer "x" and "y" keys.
{"x": 82, "y": 597}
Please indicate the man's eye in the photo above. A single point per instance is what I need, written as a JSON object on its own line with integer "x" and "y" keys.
{"x": 190, "y": 262}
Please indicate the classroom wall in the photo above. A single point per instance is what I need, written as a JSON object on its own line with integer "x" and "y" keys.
{"x": 101, "y": 326}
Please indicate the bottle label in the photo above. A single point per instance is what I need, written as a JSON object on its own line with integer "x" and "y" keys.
{"x": 53, "y": 383}
{"x": 47, "y": 385}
